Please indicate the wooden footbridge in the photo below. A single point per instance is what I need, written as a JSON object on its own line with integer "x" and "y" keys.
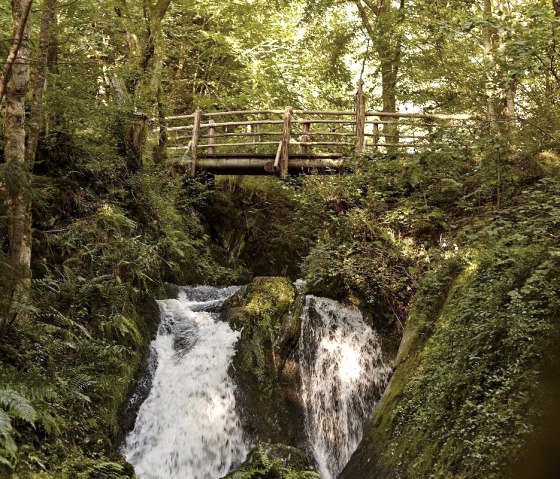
{"x": 291, "y": 141}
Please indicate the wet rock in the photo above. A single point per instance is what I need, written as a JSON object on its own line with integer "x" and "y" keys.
{"x": 265, "y": 366}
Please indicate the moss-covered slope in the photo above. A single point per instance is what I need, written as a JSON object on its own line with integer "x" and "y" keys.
{"x": 467, "y": 393}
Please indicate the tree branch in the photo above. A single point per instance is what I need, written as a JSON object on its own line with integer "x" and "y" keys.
{"x": 365, "y": 20}
{"x": 14, "y": 49}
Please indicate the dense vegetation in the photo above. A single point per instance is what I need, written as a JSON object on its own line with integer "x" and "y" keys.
{"x": 454, "y": 246}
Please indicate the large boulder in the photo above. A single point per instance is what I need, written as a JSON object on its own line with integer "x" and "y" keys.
{"x": 265, "y": 367}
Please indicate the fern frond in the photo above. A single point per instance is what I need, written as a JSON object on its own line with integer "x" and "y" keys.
{"x": 17, "y": 406}
{"x": 5, "y": 423}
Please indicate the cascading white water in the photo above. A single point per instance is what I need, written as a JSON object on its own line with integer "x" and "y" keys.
{"x": 188, "y": 426}
{"x": 343, "y": 375}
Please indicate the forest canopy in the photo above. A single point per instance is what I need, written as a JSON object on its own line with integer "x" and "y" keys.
{"x": 96, "y": 219}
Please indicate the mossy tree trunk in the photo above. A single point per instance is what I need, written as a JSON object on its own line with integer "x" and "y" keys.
{"x": 143, "y": 90}
{"x": 18, "y": 179}
{"x": 381, "y": 21}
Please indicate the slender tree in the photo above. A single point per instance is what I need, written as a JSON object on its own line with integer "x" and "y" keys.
{"x": 38, "y": 84}
{"x": 382, "y": 22}
{"x": 146, "y": 60}
{"x": 18, "y": 197}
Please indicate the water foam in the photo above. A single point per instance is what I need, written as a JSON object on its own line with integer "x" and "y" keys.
{"x": 343, "y": 375}
{"x": 188, "y": 426}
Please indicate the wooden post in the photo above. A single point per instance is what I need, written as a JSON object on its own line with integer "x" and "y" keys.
{"x": 254, "y": 129}
{"x": 287, "y": 133}
{"x": 191, "y": 169}
{"x": 375, "y": 134}
{"x": 360, "y": 117}
{"x": 211, "y": 139}
{"x": 305, "y": 149}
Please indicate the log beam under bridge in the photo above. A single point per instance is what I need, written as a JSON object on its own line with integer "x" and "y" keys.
{"x": 256, "y": 165}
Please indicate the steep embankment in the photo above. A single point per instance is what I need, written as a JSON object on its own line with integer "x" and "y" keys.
{"x": 471, "y": 383}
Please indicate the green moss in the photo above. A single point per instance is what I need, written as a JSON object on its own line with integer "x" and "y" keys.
{"x": 263, "y": 311}
{"x": 465, "y": 395}
{"x": 275, "y": 461}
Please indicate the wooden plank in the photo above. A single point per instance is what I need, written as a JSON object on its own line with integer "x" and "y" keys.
{"x": 329, "y": 133}
{"x": 243, "y": 112}
{"x": 259, "y": 143}
{"x": 285, "y": 156}
{"x": 177, "y": 128}
{"x": 228, "y": 123}
{"x": 418, "y": 137}
{"x": 360, "y": 117}
{"x": 253, "y": 131}
{"x": 325, "y": 143}
{"x": 375, "y": 134}
{"x": 322, "y": 120}
{"x": 260, "y": 133}
{"x": 271, "y": 156}
{"x": 179, "y": 117}
{"x": 324, "y": 112}
{"x": 261, "y": 164}
{"x": 402, "y": 145}
{"x": 243, "y": 123}
{"x": 276, "y": 165}
{"x": 433, "y": 116}
{"x": 419, "y": 125}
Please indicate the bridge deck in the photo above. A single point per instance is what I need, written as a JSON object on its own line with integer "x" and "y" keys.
{"x": 283, "y": 142}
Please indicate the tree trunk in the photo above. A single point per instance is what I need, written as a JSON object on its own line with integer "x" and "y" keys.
{"x": 18, "y": 36}
{"x": 145, "y": 92}
{"x": 489, "y": 39}
{"x": 18, "y": 178}
{"x": 48, "y": 20}
{"x": 556, "y": 7}
{"x": 388, "y": 42}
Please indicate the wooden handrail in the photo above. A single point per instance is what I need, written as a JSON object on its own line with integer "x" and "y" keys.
{"x": 433, "y": 116}
{"x": 252, "y": 143}
{"x": 330, "y": 133}
{"x": 241, "y": 133}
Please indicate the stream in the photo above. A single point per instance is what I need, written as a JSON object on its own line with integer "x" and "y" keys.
{"x": 188, "y": 427}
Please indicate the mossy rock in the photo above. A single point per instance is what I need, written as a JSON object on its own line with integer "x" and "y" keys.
{"x": 265, "y": 364}
{"x": 275, "y": 461}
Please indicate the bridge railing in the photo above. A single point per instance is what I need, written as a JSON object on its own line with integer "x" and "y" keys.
{"x": 279, "y": 140}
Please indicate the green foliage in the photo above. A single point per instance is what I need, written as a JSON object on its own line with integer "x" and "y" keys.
{"x": 487, "y": 325}
{"x": 265, "y": 225}
{"x": 24, "y": 405}
{"x": 274, "y": 461}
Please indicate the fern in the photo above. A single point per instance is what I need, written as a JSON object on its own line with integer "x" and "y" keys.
{"x": 14, "y": 406}
{"x": 17, "y": 406}
{"x": 104, "y": 470}
{"x": 23, "y": 399}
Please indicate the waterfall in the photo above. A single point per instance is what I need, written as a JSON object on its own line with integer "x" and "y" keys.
{"x": 343, "y": 375}
{"x": 188, "y": 426}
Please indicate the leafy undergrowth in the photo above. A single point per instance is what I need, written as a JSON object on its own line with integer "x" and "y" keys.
{"x": 473, "y": 399}
{"x": 106, "y": 242}
{"x": 468, "y": 394}
{"x": 275, "y": 461}
{"x": 266, "y": 225}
